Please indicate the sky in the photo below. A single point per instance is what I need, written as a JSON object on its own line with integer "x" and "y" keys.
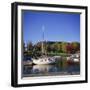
{"x": 57, "y": 26}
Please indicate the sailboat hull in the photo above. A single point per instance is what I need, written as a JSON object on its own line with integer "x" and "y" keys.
{"x": 44, "y": 61}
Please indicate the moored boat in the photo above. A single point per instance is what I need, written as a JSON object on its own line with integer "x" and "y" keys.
{"x": 28, "y": 62}
{"x": 44, "y": 60}
{"x": 73, "y": 58}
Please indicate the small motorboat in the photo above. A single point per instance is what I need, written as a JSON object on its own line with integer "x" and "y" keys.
{"x": 28, "y": 62}
{"x": 74, "y": 58}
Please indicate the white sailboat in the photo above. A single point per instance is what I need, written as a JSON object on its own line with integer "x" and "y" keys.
{"x": 44, "y": 59}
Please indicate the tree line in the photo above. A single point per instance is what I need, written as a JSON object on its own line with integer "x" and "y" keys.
{"x": 51, "y": 47}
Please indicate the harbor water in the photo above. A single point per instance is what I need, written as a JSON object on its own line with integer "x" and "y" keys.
{"x": 62, "y": 67}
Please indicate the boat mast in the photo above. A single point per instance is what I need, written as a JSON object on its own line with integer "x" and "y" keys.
{"x": 43, "y": 40}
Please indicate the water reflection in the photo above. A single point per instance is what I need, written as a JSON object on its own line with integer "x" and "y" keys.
{"x": 61, "y": 68}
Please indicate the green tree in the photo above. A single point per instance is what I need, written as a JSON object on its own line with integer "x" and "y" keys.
{"x": 63, "y": 47}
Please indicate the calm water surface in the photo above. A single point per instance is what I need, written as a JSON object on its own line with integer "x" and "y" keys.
{"x": 60, "y": 68}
